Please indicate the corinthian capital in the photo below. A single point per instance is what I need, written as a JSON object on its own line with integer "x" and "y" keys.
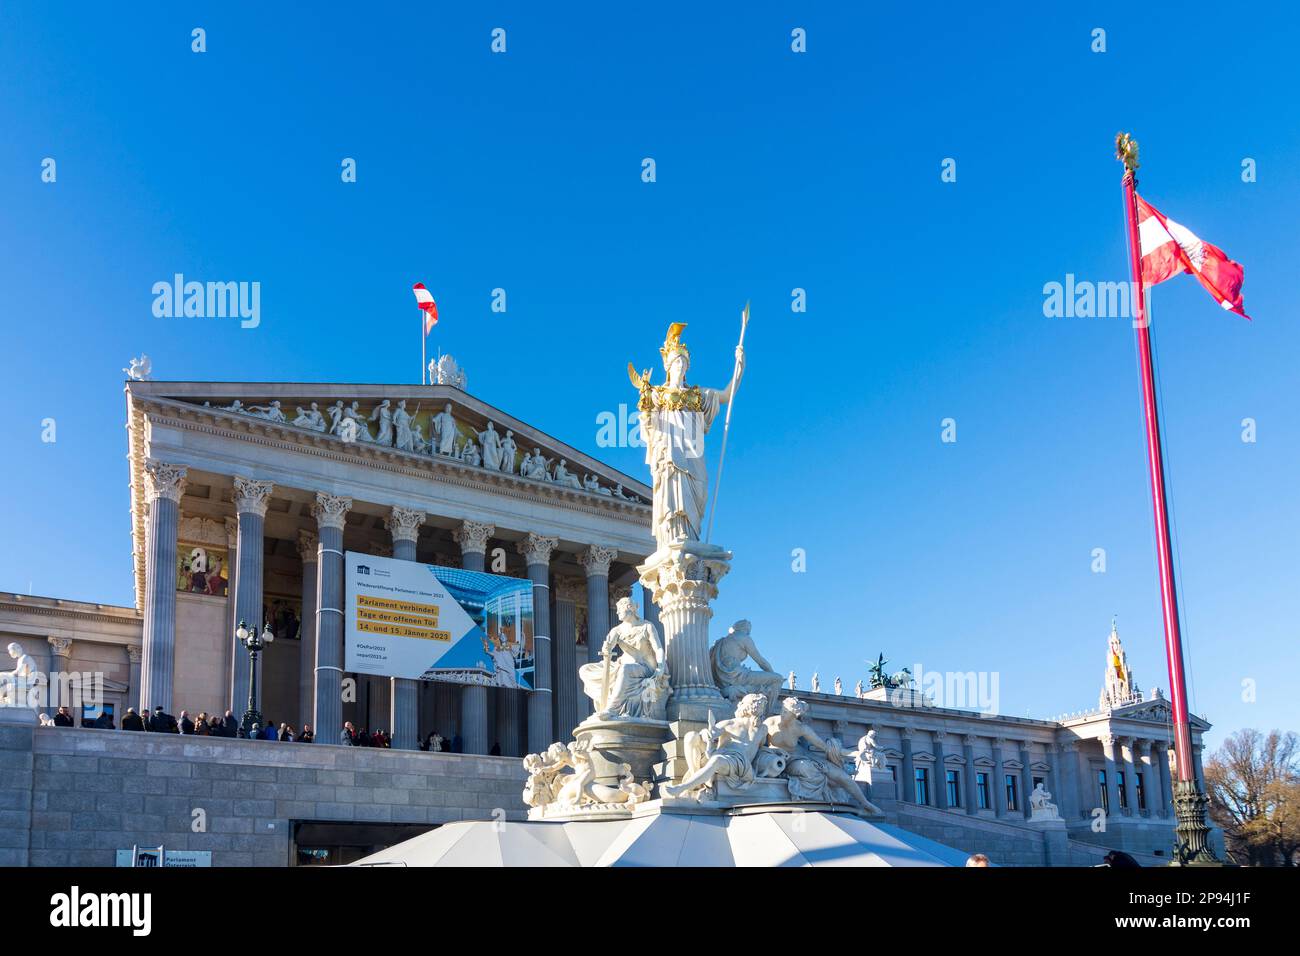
{"x": 252, "y": 496}
{"x": 404, "y": 523}
{"x": 60, "y": 646}
{"x": 596, "y": 560}
{"x": 472, "y": 536}
{"x": 331, "y": 511}
{"x": 163, "y": 480}
{"x": 537, "y": 548}
{"x": 308, "y": 544}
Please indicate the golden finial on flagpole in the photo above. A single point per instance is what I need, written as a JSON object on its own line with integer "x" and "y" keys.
{"x": 1126, "y": 151}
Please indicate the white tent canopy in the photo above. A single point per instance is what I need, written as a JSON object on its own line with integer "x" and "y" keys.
{"x": 772, "y": 838}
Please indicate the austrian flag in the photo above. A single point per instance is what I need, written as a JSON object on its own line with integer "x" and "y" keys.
{"x": 424, "y": 300}
{"x": 1169, "y": 248}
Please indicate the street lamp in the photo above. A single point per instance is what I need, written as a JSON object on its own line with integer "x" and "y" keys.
{"x": 254, "y": 642}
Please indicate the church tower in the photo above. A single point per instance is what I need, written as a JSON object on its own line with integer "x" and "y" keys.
{"x": 1118, "y": 687}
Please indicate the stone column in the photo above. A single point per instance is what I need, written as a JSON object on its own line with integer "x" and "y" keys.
{"x": 404, "y": 693}
{"x": 1026, "y": 777}
{"x": 999, "y": 784}
{"x": 940, "y": 772}
{"x": 474, "y": 719}
{"x": 1112, "y": 793}
{"x": 472, "y": 536}
{"x": 446, "y": 712}
{"x": 509, "y": 721}
{"x": 228, "y": 645}
{"x": 568, "y": 708}
{"x": 308, "y": 546}
{"x": 60, "y": 657}
{"x": 134, "y": 655}
{"x": 683, "y": 584}
{"x": 1067, "y": 788}
{"x": 1130, "y": 770}
{"x": 331, "y": 513}
{"x": 968, "y": 775}
{"x": 909, "y": 768}
{"x": 596, "y": 561}
{"x": 1143, "y": 773}
{"x": 1053, "y": 775}
{"x": 537, "y": 550}
{"x": 164, "y": 485}
{"x": 251, "y": 498}
{"x": 1160, "y": 755}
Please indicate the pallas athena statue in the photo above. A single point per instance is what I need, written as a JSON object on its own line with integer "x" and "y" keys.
{"x": 675, "y": 417}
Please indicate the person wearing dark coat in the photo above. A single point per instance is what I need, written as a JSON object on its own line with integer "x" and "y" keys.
{"x": 346, "y": 736}
{"x": 104, "y": 721}
{"x": 229, "y": 725}
{"x": 187, "y": 725}
{"x": 132, "y": 720}
{"x": 162, "y": 722}
{"x": 63, "y": 718}
{"x": 306, "y": 736}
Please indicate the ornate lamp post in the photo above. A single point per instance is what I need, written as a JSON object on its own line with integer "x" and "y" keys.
{"x": 254, "y": 642}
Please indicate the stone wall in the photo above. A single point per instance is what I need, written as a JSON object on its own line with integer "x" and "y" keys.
{"x": 72, "y": 797}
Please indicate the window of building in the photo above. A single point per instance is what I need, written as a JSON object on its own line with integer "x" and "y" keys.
{"x": 1105, "y": 793}
{"x": 1119, "y": 785}
{"x": 954, "y": 788}
{"x": 982, "y": 790}
{"x": 1140, "y": 780}
{"x": 922, "y": 786}
{"x": 1039, "y": 781}
{"x": 1013, "y": 802}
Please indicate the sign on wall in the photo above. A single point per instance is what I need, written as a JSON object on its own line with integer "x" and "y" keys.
{"x": 157, "y": 856}
{"x": 425, "y": 622}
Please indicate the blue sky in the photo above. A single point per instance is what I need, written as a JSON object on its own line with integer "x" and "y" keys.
{"x": 775, "y": 171}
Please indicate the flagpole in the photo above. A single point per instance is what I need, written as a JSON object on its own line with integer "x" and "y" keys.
{"x": 1189, "y": 803}
{"x": 424, "y": 339}
{"x": 726, "y": 424}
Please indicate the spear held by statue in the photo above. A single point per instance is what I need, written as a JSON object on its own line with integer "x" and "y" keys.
{"x": 726, "y": 423}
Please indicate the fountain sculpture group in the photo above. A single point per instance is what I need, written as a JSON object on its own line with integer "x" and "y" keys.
{"x": 671, "y": 714}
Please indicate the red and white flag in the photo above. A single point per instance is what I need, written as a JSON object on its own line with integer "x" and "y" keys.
{"x": 430, "y": 308}
{"x": 1169, "y": 248}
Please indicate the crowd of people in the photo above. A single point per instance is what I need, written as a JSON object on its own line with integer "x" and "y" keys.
{"x": 228, "y": 725}
{"x": 203, "y": 725}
